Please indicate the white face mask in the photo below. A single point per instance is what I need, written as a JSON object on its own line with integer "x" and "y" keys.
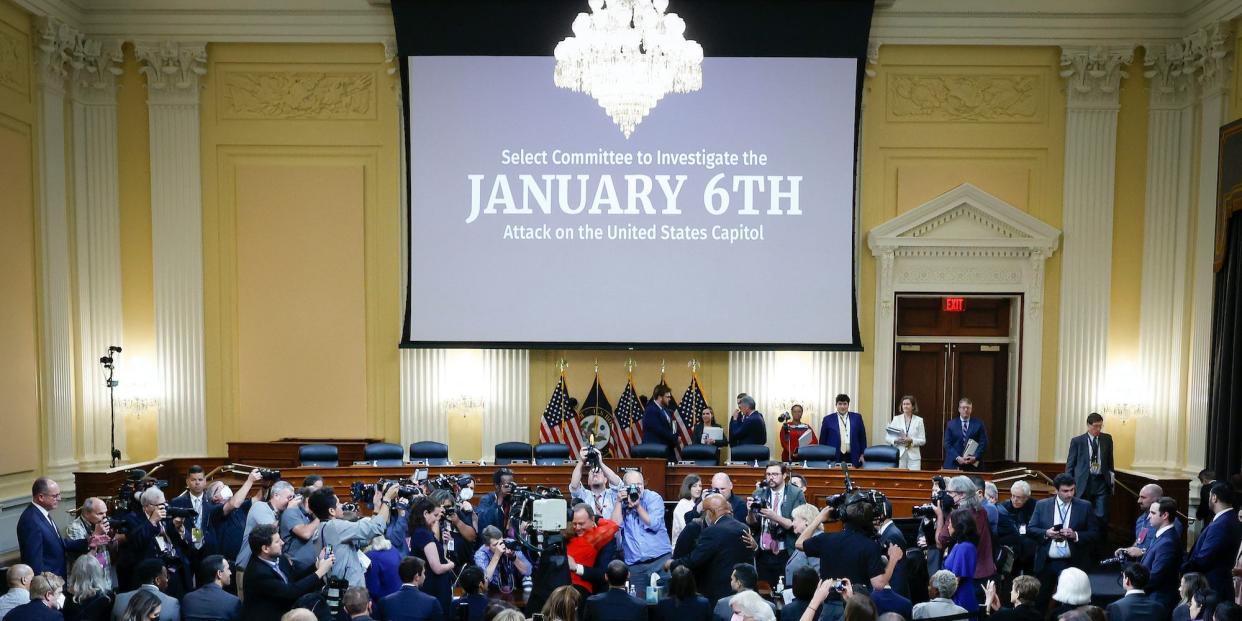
{"x": 60, "y": 601}
{"x": 466, "y": 493}
{"x": 737, "y": 616}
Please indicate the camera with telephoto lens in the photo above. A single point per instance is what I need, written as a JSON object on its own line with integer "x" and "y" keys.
{"x": 758, "y": 504}
{"x": 364, "y": 492}
{"x": 1118, "y": 560}
{"x": 940, "y": 498}
{"x": 510, "y": 544}
{"x": 180, "y": 512}
{"x": 268, "y": 474}
{"x": 856, "y": 506}
{"x": 593, "y": 460}
{"x": 118, "y": 526}
{"x": 631, "y": 492}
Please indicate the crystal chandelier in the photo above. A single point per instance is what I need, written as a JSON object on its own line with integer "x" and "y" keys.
{"x": 628, "y": 54}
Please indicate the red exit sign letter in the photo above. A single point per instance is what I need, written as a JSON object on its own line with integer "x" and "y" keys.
{"x": 954, "y": 305}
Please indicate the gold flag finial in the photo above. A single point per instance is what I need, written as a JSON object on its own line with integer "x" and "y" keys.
{"x": 629, "y": 365}
{"x": 694, "y": 365}
{"x": 562, "y": 364}
{"x": 661, "y": 367}
{"x": 597, "y": 366}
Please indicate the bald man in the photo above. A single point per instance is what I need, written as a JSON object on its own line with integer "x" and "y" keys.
{"x": 19, "y": 577}
{"x": 720, "y": 547}
{"x": 1144, "y": 534}
{"x": 722, "y": 484}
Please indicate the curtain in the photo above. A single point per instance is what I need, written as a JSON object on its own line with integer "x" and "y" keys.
{"x": 1224, "y": 432}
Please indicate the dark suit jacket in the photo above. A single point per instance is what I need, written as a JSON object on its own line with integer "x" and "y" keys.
{"x": 955, "y": 442}
{"x": 658, "y": 426}
{"x": 1081, "y": 521}
{"x": 899, "y": 581}
{"x": 268, "y": 596}
{"x": 830, "y": 435}
{"x": 888, "y": 600}
{"x": 696, "y": 608}
{"x": 97, "y": 608}
{"x": 410, "y": 604}
{"x": 1163, "y": 559}
{"x": 210, "y": 602}
{"x": 615, "y": 605}
{"x": 1079, "y": 462}
{"x": 209, "y": 535}
{"x": 42, "y": 547}
{"x": 749, "y": 430}
{"x": 1021, "y": 612}
{"x": 1215, "y": 552}
{"x": 36, "y": 610}
{"x": 1136, "y": 606}
{"x": 595, "y": 573}
{"x": 720, "y": 548}
{"x": 477, "y": 603}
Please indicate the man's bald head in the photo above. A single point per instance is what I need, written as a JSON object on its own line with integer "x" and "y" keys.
{"x": 19, "y": 576}
{"x": 722, "y": 482}
{"x": 715, "y": 506}
{"x": 1149, "y": 494}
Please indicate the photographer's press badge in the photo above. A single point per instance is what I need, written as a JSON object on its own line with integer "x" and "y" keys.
{"x": 196, "y": 536}
{"x": 1095, "y": 466}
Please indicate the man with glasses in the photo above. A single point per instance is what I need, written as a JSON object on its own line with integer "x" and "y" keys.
{"x": 658, "y": 419}
{"x": 958, "y": 435}
{"x": 775, "y": 521}
{"x": 47, "y": 598}
{"x": 42, "y": 547}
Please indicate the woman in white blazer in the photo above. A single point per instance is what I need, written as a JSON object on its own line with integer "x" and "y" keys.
{"x": 912, "y": 436}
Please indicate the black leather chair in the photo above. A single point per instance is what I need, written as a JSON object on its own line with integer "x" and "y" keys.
{"x": 701, "y": 454}
{"x": 319, "y": 456}
{"x": 384, "y": 454}
{"x": 509, "y": 452}
{"x": 551, "y": 453}
{"x": 750, "y": 453}
{"x": 879, "y": 456}
{"x": 817, "y": 455}
{"x": 432, "y": 453}
{"x": 653, "y": 450}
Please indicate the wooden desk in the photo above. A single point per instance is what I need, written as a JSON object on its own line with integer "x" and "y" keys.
{"x": 283, "y": 453}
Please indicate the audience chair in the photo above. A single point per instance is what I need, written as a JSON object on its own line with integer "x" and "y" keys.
{"x": 319, "y": 456}
{"x": 817, "y": 455}
{"x": 653, "y": 450}
{"x": 509, "y": 452}
{"x": 431, "y": 453}
{"x": 880, "y": 456}
{"x": 551, "y": 453}
{"x": 750, "y": 453}
{"x": 384, "y": 454}
{"x": 701, "y": 454}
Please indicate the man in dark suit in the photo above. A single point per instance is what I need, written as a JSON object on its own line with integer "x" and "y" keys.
{"x": 720, "y": 547}
{"x": 615, "y": 604}
{"x": 1136, "y": 605}
{"x": 746, "y": 426}
{"x": 271, "y": 587}
{"x": 42, "y": 547}
{"x": 152, "y": 577}
{"x": 1163, "y": 558}
{"x": 1091, "y": 464}
{"x": 409, "y": 603}
{"x": 199, "y": 537}
{"x": 1214, "y": 551}
{"x": 210, "y": 602}
{"x": 1063, "y": 528}
{"x": 357, "y": 603}
{"x": 658, "y": 419}
{"x": 47, "y": 597}
{"x": 775, "y": 521}
{"x": 845, "y": 432}
{"x": 1207, "y": 479}
{"x": 958, "y": 433}
{"x": 888, "y": 534}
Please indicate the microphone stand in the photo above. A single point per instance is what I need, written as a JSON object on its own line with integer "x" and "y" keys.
{"x": 107, "y": 361}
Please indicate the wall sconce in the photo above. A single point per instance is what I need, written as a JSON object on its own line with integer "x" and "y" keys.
{"x": 1123, "y": 396}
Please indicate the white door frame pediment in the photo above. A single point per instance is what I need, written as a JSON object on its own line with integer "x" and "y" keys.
{"x": 964, "y": 241}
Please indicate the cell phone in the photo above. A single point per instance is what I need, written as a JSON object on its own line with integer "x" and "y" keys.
{"x": 1056, "y": 527}
{"x": 327, "y": 550}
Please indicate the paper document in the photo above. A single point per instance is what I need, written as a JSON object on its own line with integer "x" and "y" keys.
{"x": 715, "y": 433}
{"x": 971, "y": 447}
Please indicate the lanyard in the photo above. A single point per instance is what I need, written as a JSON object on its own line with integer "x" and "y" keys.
{"x": 1064, "y": 514}
{"x": 845, "y": 422}
{"x": 909, "y": 421}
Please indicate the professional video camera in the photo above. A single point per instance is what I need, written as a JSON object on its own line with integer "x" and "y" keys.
{"x": 545, "y": 511}
{"x": 940, "y": 498}
{"x": 333, "y": 590}
{"x": 268, "y": 474}
{"x": 872, "y": 501}
{"x": 784, "y": 417}
{"x": 135, "y": 483}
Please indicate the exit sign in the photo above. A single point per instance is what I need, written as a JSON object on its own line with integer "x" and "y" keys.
{"x": 954, "y": 305}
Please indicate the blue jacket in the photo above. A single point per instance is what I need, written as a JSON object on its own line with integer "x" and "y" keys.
{"x": 658, "y": 427}
{"x": 410, "y": 604}
{"x": 36, "y": 610}
{"x": 749, "y": 430}
{"x": 1136, "y": 607}
{"x": 615, "y": 605}
{"x": 695, "y": 608}
{"x": 476, "y": 603}
{"x": 209, "y": 534}
{"x": 1214, "y": 553}
{"x": 1163, "y": 559}
{"x": 955, "y": 442}
{"x": 42, "y": 547}
{"x": 210, "y": 603}
{"x": 490, "y": 514}
{"x": 888, "y": 600}
{"x": 830, "y": 435}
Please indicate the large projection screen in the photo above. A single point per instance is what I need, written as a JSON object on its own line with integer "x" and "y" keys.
{"x": 726, "y": 220}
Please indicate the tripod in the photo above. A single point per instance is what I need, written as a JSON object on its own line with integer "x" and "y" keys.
{"x": 108, "y": 362}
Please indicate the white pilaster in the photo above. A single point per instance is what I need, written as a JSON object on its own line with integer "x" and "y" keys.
{"x": 1166, "y": 241}
{"x": 56, "y": 40}
{"x": 506, "y": 400}
{"x": 1093, "y": 76}
{"x": 1209, "y": 51}
{"x": 752, "y": 372}
{"x": 835, "y": 372}
{"x": 98, "y": 216}
{"x": 173, "y": 71}
{"x": 422, "y": 407}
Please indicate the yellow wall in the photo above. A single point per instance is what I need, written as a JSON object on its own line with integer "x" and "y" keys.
{"x": 1236, "y": 107}
{"x": 19, "y": 325}
{"x": 301, "y": 242}
{"x": 916, "y": 146}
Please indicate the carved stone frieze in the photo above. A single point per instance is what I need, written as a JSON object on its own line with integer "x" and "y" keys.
{"x": 978, "y": 98}
{"x": 14, "y": 60}
{"x": 298, "y": 95}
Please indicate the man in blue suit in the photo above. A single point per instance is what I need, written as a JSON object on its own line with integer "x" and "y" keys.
{"x": 746, "y": 427}
{"x": 42, "y": 547}
{"x": 845, "y": 432}
{"x": 210, "y": 602}
{"x": 409, "y": 603}
{"x": 1136, "y": 605}
{"x": 658, "y": 419}
{"x": 1213, "y": 554}
{"x": 1063, "y": 528}
{"x": 47, "y": 597}
{"x": 960, "y": 431}
{"x": 199, "y": 537}
{"x": 1163, "y": 558}
{"x": 615, "y": 604}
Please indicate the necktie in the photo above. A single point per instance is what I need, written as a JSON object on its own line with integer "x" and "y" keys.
{"x": 599, "y": 505}
{"x": 965, "y": 428}
{"x": 198, "y": 508}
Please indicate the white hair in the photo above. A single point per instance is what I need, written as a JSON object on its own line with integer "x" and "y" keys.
{"x": 1073, "y": 587}
{"x": 281, "y": 487}
{"x": 945, "y": 583}
{"x": 989, "y": 490}
{"x": 152, "y": 496}
{"x": 1020, "y": 487}
{"x": 750, "y": 605}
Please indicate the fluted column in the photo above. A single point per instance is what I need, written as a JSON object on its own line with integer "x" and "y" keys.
{"x": 835, "y": 372}
{"x": 56, "y": 41}
{"x": 1166, "y": 241}
{"x": 173, "y": 71}
{"x": 1210, "y": 55}
{"x": 97, "y": 216}
{"x": 506, "y": 400}
{"x": 1093, "y": 76}
{"x": 752, "y": 372}
{"x": 422, "y": 407}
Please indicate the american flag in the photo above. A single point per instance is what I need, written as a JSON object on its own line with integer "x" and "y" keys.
{"x": 559, "y": 424}
{"x": 688, "y": 413}
{"x": 629, "y": 418}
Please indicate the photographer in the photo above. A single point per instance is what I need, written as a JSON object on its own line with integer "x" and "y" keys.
{"x": 426, "y": 544}
{"x": 494, "y": 508}
{"x": 644, "y": 542}
{"x": 602, "y": 483}
{"x": 298, "y": 523}
{"x": 345, "y": 538}
{"x": 852, "y": 552}
{"x": 457, "y": 534}
{"x": 279, "y": 498}
{"x": 156, "y": 536}
{"x": 723, "y": 485}
{"x": 771, "y": 510}
{"x": 228, "y": 519}
{"x": 503, "y": 565}
{"x": 92, "y": 525}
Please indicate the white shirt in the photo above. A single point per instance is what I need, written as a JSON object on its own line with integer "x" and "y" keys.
{"x": 843, "y": 422}
{"x": 1060, "y": 549}
{"x": 1162, "y": 529}
{"x": 47, "y": 516}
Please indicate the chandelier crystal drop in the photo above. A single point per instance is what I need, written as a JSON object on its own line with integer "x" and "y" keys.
{"x": 627, "y": 54}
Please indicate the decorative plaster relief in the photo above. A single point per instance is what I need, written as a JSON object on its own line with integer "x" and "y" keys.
{"x": 14, "y": 60}
{"x": 973, "y": 98}
{"x": 298, "y": 95}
